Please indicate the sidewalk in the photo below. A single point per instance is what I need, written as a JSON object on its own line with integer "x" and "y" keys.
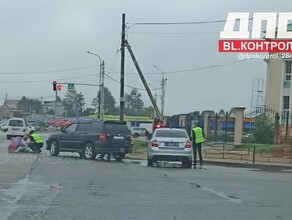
{"x": 238, "y": 159}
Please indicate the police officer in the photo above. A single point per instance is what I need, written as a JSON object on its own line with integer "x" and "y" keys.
{"x": 198, "y": 137}
{"x": 36, "y": 142}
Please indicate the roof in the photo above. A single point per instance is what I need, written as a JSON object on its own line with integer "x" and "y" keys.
{"x": 11, "y": 104}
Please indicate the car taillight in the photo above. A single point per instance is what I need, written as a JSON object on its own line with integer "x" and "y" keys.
{"x": 102, "y": 137}
{"x": 154, "y": 143}
{"x": 188, "y": 144}
{"x": 130, "y": 140}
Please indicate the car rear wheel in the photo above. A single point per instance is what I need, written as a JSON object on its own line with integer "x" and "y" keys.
{"x": 135, "y": 135}
{"x": 119, "y": 156}
{"x": 149, "y": 162}
{"x": 187, "y": 164}
{"x": 54, "y": 148}
{"x": 89, "y": 153}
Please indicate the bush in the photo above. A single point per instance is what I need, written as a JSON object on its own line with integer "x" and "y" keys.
{"x": 139, "y": 143}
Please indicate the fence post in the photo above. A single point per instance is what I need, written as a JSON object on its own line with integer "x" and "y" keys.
{"x": 287, "y": 125}
{"x": 225, "y": 134}
{"x": 216, "y": 127}
{"x": 253, "y": 156}
{"x": 290, "y": 154}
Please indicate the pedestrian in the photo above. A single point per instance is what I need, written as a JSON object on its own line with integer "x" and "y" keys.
{"x": 36, "y": 142}
{"x": 23, "y": 144}
{"x": 198, "y": 137}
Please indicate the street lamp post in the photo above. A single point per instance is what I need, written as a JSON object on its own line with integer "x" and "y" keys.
{"x": 162, "y": 90}
{"x": 101, "y": 89}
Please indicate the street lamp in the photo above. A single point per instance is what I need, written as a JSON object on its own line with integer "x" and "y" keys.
{"x": 162, "y": 90}
{"x": 101, "y": 86}
{"x": 155, "y": 98}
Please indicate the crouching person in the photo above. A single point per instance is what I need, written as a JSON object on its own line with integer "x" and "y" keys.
{"x": 36, "y": 142}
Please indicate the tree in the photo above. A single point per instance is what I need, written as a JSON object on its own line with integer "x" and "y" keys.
{"x": 263, "y": 130}
{"x": 88, "y": 111}
{"x": 109, "y": 102}
{"x": 30, "y": 105}
{"x": 133, "y": 102}
{"x": 74, "y": 103}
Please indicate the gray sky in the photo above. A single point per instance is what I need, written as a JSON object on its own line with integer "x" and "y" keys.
{"x": 47, "y": 35}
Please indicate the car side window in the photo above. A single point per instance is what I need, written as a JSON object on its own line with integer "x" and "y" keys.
{"x": 83, "y": 127}
{"x": 71, "y": 128}
{"x": 97, "y": 127}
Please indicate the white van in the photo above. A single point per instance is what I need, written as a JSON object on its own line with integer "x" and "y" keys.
{"x": 16, "y": 127}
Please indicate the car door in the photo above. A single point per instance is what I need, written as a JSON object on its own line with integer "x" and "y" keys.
{"x": 81, "y": 135}
{"x": 67, "y": 139}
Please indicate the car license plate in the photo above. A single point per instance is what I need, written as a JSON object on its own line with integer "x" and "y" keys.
{"x": 119, "y": 138}
{"x": 15, "y": 129}
{"x": 171, "y": 144}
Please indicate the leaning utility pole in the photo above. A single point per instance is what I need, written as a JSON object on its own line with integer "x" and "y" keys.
{"x": 122, "y": 80}
{"x": 158, "y": 113}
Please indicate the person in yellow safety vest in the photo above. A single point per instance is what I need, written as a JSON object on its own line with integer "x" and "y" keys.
{"x": 198, "y": 137}
{"x": 36, "y": 142}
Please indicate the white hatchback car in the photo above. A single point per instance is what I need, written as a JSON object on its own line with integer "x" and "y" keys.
{"x": 170, "y": 144}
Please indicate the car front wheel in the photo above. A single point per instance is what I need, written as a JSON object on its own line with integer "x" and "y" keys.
{"x": 187, "y": 164}
{"x": 89, "y": 153}
{"x": 54, "y": 148}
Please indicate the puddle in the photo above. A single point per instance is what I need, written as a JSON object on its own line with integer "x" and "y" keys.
{"x": 231, "y": 198}
{"x": 17, "y": 198}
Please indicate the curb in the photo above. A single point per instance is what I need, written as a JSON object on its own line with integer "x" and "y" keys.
{"x": 267, "y": 167}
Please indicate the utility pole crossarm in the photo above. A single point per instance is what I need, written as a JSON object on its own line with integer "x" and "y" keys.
{"x": 158, "y": 113}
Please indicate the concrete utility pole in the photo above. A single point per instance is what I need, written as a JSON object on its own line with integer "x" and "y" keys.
{"x": 102, "y": 91}
{"x": 122, "y": 80}
{"x": 158, "y": 113}
{"x": 163, "y": 82}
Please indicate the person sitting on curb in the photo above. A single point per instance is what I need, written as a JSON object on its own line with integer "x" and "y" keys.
{"x": 36, "y": 142}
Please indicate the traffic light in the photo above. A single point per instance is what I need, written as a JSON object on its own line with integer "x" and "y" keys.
{"x": 59, "y": 87}
{"x": 54, "y": 85}
{"x": 157, "y": 124}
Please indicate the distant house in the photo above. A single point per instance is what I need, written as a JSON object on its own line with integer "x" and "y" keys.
{"x": 54, "y": 107}
{"x": 9, "y": 109}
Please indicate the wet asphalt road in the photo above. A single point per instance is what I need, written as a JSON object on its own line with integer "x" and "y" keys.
{"x": 71, "y": 188}
{"x": 66, "y": 187}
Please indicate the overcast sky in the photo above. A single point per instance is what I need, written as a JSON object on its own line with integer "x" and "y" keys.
{"x": 42, "y": 38}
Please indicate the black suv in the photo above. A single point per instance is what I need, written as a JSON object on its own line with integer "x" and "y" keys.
{"x": 89, "y": 138}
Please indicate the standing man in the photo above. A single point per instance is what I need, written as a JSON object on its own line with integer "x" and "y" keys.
{"x": 36, "y": 142}
{"x": 198, "y": 138}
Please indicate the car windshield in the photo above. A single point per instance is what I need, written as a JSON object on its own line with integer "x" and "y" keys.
{"x": 15, "y": 123}
{"x": 171, "y": 133}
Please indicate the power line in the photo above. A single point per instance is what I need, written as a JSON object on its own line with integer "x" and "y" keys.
{"x": 190, "y": 70}
{"x": 42, "y": 81}
{"x": 180, "y": 23}
{"x": 172, "y": 33}
{"x": 48, "y": 71}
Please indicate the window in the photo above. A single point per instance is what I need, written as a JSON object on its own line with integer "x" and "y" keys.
{"x": 16, "y": 123}
{"x": 71, "y": 128}
{"x": 96, "y": 126}
{"x": 288, "y": 70}
{"x": 171, "y": 133}
{"x": 286, "y": 100}
{"x": 83, "y": 127}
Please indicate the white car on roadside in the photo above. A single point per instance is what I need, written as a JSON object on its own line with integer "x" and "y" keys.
{"x": 170, "y": 144}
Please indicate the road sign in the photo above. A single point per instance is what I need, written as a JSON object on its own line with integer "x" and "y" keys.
{"x": 71, "y": 87}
